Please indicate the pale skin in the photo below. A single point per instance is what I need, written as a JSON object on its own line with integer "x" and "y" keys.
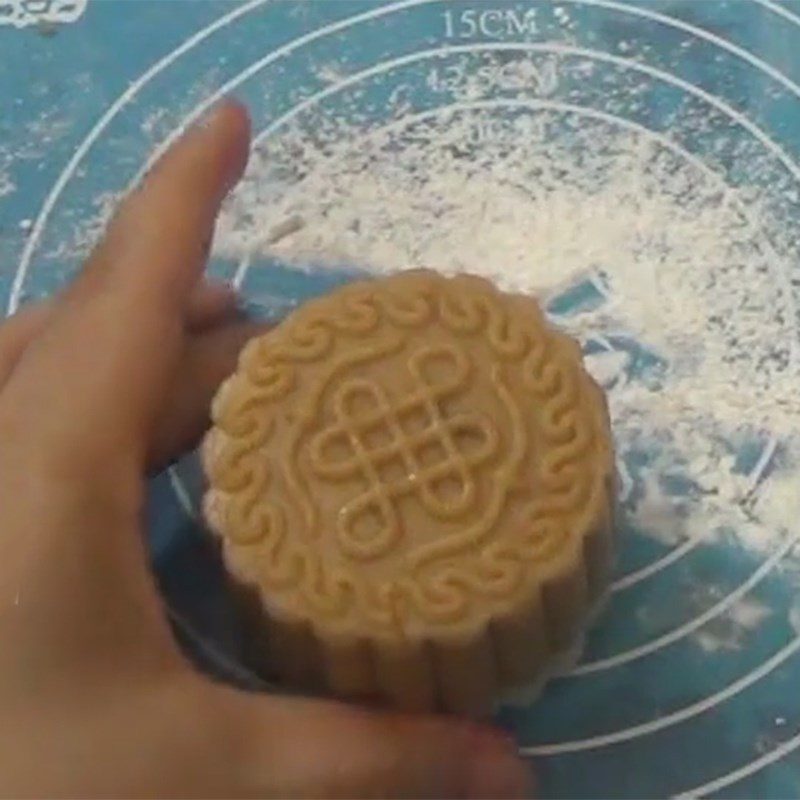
{"x": 99, "y": 387}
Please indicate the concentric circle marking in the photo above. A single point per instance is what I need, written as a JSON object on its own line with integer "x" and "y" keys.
{"x": 136, "y": 86}
{"x": 675, "y": 635}
{"x": 779, "y": 10}
{"x": 96, "y": 131}
{"x": 80, "y": 153}
{"x": 139, "y": 83}
{"x": 745, "y": 771}
{"x": 699, "y": 33}
{"x": 673, "y": 718}
{"x": 559, "y": 49}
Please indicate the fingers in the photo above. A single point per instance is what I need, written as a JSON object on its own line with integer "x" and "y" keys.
{"x": 117, "y": 334}
{"x": 209, "y": 304}
{"x": 209, "y": 358}
{"x": 293, "y": 747}
{"x": 157, "y": 243}
{"x": 17, "y": 332}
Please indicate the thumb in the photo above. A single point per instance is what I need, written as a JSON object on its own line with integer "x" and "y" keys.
{"x": 117, "y": 335}
{"x": 293, "y": 747}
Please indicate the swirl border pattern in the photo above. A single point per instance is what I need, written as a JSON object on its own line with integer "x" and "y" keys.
{"x": 257, "y": 544}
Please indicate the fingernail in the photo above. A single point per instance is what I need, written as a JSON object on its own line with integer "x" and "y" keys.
{"x": 495, "y": 769}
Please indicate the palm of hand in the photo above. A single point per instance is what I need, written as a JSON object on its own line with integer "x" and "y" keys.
{"x": 97, "y": 387}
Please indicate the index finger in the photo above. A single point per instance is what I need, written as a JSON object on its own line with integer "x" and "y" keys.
{"x": 117, "y": 333}
{"x": 157, "y": 243}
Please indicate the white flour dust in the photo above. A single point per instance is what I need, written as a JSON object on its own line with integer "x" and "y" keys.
{"x": 730, "y": 631}
{"x": 7, "y": 186}
{"x": 7, "y": 162}
{"x": 665, "y": 273}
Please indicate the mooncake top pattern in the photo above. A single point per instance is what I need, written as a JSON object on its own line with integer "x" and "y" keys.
{"x": 405, "y": 455}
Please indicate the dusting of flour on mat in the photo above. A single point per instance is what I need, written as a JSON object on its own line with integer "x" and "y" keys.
{"x": 665, "y": 273}
{"x": 7, "y": 186}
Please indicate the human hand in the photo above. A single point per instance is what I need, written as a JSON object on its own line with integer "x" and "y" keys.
{"x": 99, "y": 386}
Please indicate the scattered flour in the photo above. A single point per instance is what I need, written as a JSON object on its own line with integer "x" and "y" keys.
{"x": 665, "y": 272}
{"x": 673, "y": 278}
{"x": 7, "y": 186}
{"x": 84, "y": 234}
{"x": 730, "y": 631}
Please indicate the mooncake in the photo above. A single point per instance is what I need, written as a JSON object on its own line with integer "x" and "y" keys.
{"x": 412, "y": 482}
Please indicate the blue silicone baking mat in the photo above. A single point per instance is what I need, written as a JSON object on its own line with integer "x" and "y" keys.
{"x": 650, "y": 151}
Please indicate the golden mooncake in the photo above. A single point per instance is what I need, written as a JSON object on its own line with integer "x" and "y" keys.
{"x": 412, "y": 482}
